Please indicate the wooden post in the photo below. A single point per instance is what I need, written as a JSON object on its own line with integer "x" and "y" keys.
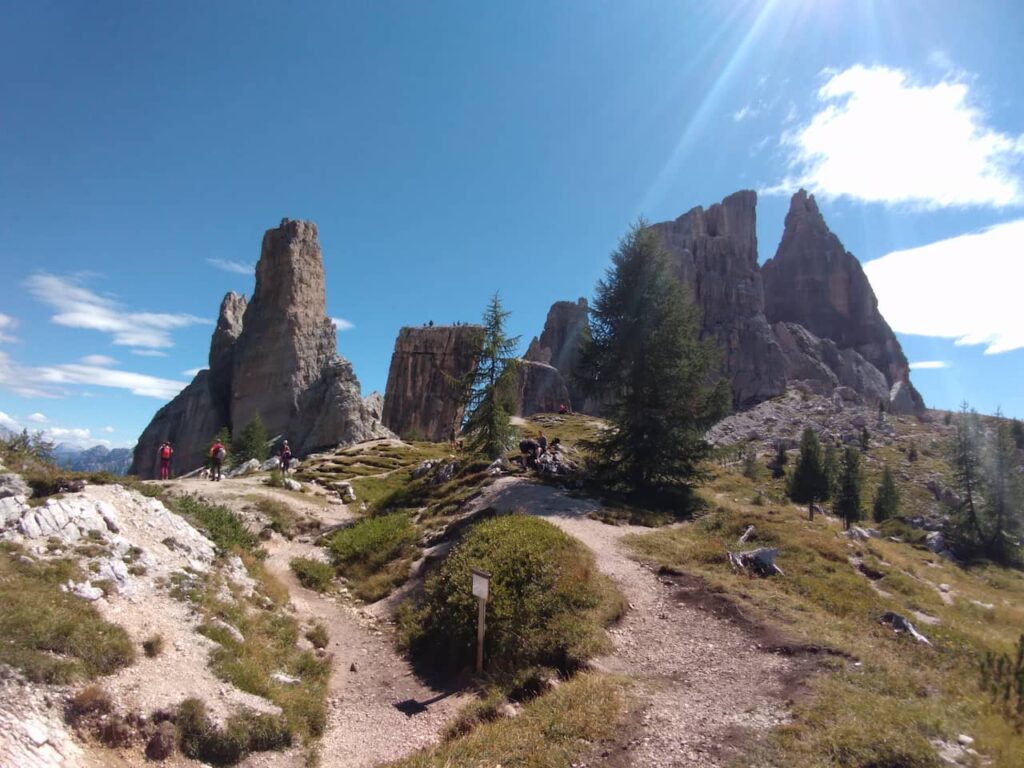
{"x": 481, "y": 589}
{"x": 810, "y": 510}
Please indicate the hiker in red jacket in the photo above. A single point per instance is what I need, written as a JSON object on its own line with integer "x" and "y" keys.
{"x": 165, "y": 454}
{"x": 217, "y": 454}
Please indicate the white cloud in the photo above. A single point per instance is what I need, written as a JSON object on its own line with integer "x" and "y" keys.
{"x": 78, "y": 307}
{"x": 965, "y": 288}
{"x": 109, "y": 430}
{"x": 342, "y": 324}
{"x": 192, "y": 372}
{"x": 926, "y": 365}
{"x": 745, "y": 112}
{"x": 880, "y": 136}
{"x": 149, "y": 353}
{"x": 227, "y": 265}
{"x": 137, "y": 383}
{"x": 38, "y": 418}
{"x": 52, "y": 381}
{"x": 7, "y": 324}
{"x": 101, "y": 361}
{"x": 7, "y": 422}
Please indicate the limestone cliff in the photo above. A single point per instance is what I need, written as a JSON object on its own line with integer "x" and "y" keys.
{"x": 814, "y": 282}
{"x": 716, "y": 255}
{"x": 421, "y": 398}
{"x": 540, "y": 388}
{"x": 565, "y": 328}
{"x": 275, "y": 356}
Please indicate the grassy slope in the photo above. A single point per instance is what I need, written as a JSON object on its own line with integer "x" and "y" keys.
{"x": 884, "y": 709}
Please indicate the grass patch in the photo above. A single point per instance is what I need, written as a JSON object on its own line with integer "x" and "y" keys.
{"x": 53, "y": 636}
{"x": 548, "y": 604}
{"x": 312, "y": 574}
{"x": 283, "y": 519}
{"x": 886, "y": 711}
{"x": 559, "y": 729}
{"x": 375, "y": 554}
{"x": 317, "y": 635}
{"x": 153, "y": 646}
{"x": 219, "y": 523}
{"x": 200, "y": 739}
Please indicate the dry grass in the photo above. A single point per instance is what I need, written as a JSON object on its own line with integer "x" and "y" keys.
{"x": 562, "y": 728}
{"x": 884, "y": 709}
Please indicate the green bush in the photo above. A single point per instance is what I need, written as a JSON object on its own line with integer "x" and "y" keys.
{"x": 219, "y": 523}
{"x": 252, "y": 443}
{"x": 548, "y": 602}
{"x": 200, "y": 739}
{"x": 371, "y": 543}
{"x": 312, "y": 574}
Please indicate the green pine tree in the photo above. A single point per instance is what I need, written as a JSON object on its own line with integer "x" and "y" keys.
{"x": 779, "y": 464}
{"x": 488, "y": 419}
{"x": 657, "y": 378}
{"x": 809, "y": 481}
{"x": 887, "y": 497}
{"x": 1003, "y": 500}
{"x": 865, "y": 439}
{"x": 252, "y": 442}
{"x": 965, "y": 527}
{"x": 848, "y": 503}
{"x": 833, "y": 470}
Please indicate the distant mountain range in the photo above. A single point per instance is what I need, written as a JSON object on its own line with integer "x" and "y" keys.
{"x": 95, "y": 459}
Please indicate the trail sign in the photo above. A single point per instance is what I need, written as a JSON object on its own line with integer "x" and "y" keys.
{"x": 481, "y": 584}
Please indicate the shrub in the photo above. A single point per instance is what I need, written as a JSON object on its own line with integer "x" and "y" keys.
{"x": 219, "y": 523}
{"x": 275, "y": 479}
{"x": 91, "y": 700}
{"x": 1002, "y": 677}
{"x": 200, "y": 739}
{"x": 548, "y": 602}
{"x": 371, "y": 543}
{"x": 312, "y": 574}
{"x": 154, "y": 646}
{"x": 317, "y": 635}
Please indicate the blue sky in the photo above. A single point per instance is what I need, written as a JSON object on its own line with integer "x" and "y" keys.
{"x": 447, "y": 150}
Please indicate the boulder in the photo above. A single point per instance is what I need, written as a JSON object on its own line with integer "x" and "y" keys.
{"x": 13, "y": 485}
{"x": 252, "y": 465}
{"x": 716, "y": 256}
{"x": 427, "y": 366}
{"x": 814, "y": 282}
{"x": 540, "y": 388}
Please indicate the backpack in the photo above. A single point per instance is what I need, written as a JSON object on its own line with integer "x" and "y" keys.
{"x": 219, "y": 452}
{"x": 165, "y": 452}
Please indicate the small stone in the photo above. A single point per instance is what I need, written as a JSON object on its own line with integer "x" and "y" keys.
{"x": 36, "y": 732}
{"x": 964, "y": 740}
{"x": 352, "y": 668}
{"x": 281, "y": 677}
{"x": 944, "y": 587}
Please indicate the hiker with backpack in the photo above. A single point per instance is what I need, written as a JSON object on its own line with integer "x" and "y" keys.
{"x": 217, "y": 454}
{"x": 286, "y": 457}
{"x": 165, "y": 453}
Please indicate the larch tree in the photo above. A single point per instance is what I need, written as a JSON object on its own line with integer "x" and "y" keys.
{"x": 488, "y": 415}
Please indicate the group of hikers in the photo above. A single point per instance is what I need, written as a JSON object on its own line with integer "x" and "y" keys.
{"x": 218, "y": 452}
{"x": 532, "y": 449}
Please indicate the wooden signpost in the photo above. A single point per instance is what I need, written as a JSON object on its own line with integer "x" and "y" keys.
{"x": 481, "y": 589}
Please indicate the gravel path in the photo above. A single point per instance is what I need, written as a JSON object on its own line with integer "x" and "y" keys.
{"x": 704, "y": 682}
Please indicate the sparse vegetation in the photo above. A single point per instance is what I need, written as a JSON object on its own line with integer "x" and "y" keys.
{"x": 251, "y": 443}
{"x": 91, "y": 700}
{"x": 317, "y": 635}
{"x": 153, "y": 646}
{"x": 573, "y": 722}
{"x": 312, "y": 574}
{"x": 548, "y": 602}
{"x": 375, "y": 554}
{"x": 887, "y": 497}
{"x": 200, "y": 739}
{"x": 50, "y": 635}
{"x": 220, "y": 524}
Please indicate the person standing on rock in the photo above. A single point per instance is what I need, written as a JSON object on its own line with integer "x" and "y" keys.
{"x": 217, "y": 454}
{"x": 286, "y": 457}
{"x": 165, "y": 453}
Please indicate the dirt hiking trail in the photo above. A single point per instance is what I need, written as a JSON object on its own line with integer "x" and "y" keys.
{"x": 705, "y": 685}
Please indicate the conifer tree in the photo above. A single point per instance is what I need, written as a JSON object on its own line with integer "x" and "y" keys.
{"x": 865, "y": 439}
{"x": 887, "y": 497}
{"x": 1017, "y": 430}
{"x": 809, "y": 482}
{"x": 966, "y": 461}
{"x": 251, "y": 443}
{"x": 646, "y": 360}
{"x": 912, "y": 452}
{"x": 488, "y": 416}
{"x": 779, "y": 465}
{"x": 833, "y": 470}
{"x": 848, "y": 503}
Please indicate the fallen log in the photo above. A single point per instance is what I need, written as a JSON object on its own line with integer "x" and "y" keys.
{"x": 760, "y": 561}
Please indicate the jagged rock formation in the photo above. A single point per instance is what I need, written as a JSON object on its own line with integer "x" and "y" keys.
{"x": 421, "y": 399}
{"x": 814, "y": 282}
{"x": 566, "y": 326}
{"x": 275, "y": 356}
{"x": 716, "y": 253}
{"x": 374, "y": 403}
{"x": 540, "y": 388}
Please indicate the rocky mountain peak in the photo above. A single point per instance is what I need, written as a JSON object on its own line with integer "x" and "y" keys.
{"x": 566, "y": 325}
{"x": 815, "y": 282}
